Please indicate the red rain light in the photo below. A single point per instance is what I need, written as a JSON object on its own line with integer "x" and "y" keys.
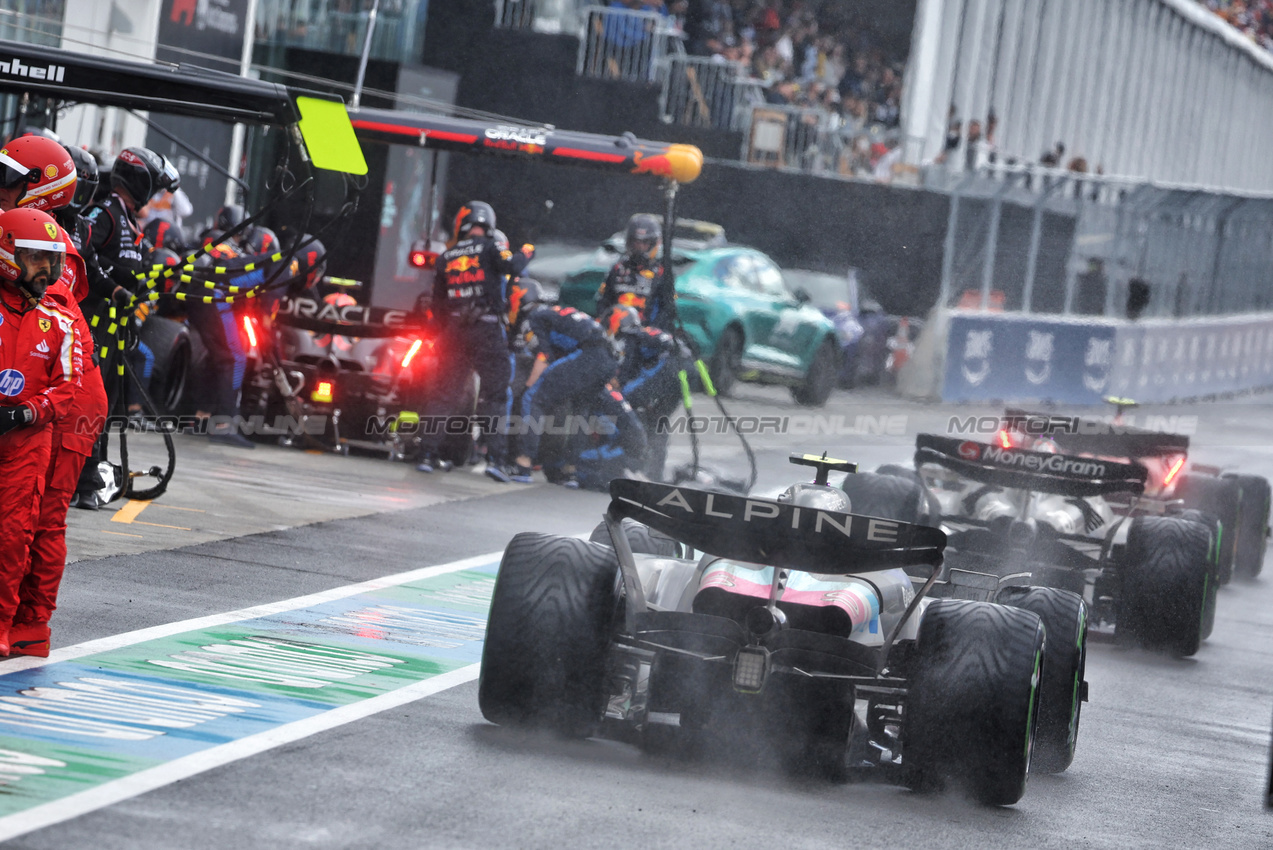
{"x": 323, "y": 392}
{"x": 412, "y": 352}
{"x": 250, "y": 330}
{"x": 1005, "y": 440}
{"x": 423, "y": 259}
{"x": 1171, "y": 473}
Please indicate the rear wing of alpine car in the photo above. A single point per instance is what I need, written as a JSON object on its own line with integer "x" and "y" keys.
{"x": 1060, "y": 474}
{"x": 625, "y": 153}
{"x": 187, "y": 90}
{"x": 780, "y": 534}
{"x": 1108, "y": 439}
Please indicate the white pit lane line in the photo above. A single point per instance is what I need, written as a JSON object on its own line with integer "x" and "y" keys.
{"x": 124, "y": 788}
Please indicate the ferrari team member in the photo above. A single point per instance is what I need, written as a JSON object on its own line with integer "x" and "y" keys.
{"x": 574, "y": 367}
{"x": 468, "y": 308}
{"x": 637, "y": 279}
{"x": 648, "y": 378}
{"x": 51, "y": 188}
{"x": 74, "y": 434}
{"x": 40, "y": 367}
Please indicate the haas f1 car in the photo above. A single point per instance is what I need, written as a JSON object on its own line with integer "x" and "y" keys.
{"x": 789, "y": 626}
{"x": 1073, "y": 522}
{"x": 1234, "y": 505}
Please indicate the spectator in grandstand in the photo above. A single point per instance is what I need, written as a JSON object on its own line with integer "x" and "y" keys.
{"x": 886, "y": 165}
{"x": 972, "y": 150}
{"x": 1052, "y": 158}
{"x": 1254, "y": 18}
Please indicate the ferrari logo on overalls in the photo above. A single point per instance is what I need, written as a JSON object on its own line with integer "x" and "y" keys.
{"x": 45, "y": 325}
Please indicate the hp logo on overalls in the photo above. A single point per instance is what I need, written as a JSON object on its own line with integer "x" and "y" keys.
{"x": 11, "y": 382}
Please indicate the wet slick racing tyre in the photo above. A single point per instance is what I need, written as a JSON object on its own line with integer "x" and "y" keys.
{"x": 547, "y": 637}
{"x": 1064, "y": 616}
{"x": 1213, "y": 555}
{"x": 1253, "y": 524}
{"x": 973, "y": 701}
{"x": 1168, "y": 582}
{"x": 1220, "y": 497}
{"x": 642, "y": 539}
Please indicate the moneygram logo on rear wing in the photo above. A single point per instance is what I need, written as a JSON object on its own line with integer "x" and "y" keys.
{"x": 1110, "y": 439}
{"x": 1064, "y": 475}
{"x": 779, "y": 534}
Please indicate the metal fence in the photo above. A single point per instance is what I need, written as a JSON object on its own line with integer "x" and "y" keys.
{"x": 546, "y": 16}
{"x": 331, "y": 26}
{"x": 700, "y": 91}
{"x": 1040, "y": 240}
{"x": 620, "y": 44}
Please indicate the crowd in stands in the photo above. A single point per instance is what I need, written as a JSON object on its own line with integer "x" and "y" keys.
{"x": 1253, "y": 18}
{"x": 816, "y": 55}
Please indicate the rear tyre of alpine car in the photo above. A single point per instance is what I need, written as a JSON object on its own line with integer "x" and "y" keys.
{"x": 642, "y": 539}
{"x": 1065, "y": 617}
{"x": 1167, "y": 579}
{"x": 973, "y": 702}
{"x": 1253, "y": 524}
{"x": 552, "y": 614}
{"x": 1221, "y": 498}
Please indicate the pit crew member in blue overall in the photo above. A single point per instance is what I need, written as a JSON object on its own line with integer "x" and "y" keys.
{"x": 468, "y": 309}
{"x": 637, "y": 279}
{"x": 648, "y": 377}
{"x": 573, "y": 373}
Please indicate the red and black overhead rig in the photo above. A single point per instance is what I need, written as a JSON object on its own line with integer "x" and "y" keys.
{"x": 626, "y": 153}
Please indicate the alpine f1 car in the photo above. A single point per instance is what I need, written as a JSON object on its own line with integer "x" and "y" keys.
{"x": 790, "y": 626}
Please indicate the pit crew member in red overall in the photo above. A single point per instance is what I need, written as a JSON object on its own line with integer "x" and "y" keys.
{"x": 40, "y": 367}
{"x": 74, "y": 433}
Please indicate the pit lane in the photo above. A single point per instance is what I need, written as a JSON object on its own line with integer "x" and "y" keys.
{"x": 1172, "y": 752}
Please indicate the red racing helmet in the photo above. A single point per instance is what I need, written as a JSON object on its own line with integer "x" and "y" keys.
{"x": 29, "y": 239}
{"x": 52, "y": 168}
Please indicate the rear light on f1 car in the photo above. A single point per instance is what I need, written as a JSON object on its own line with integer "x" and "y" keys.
{"x": 411, "y": 353}
{"x": 323, "y": 392}
{"x": 751, "y": 668}
{"x": 1173, "y": 471}
{"x": 249, "y": 328}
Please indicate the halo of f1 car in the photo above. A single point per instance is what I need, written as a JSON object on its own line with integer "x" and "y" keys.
{"x": 693, "y": 615}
